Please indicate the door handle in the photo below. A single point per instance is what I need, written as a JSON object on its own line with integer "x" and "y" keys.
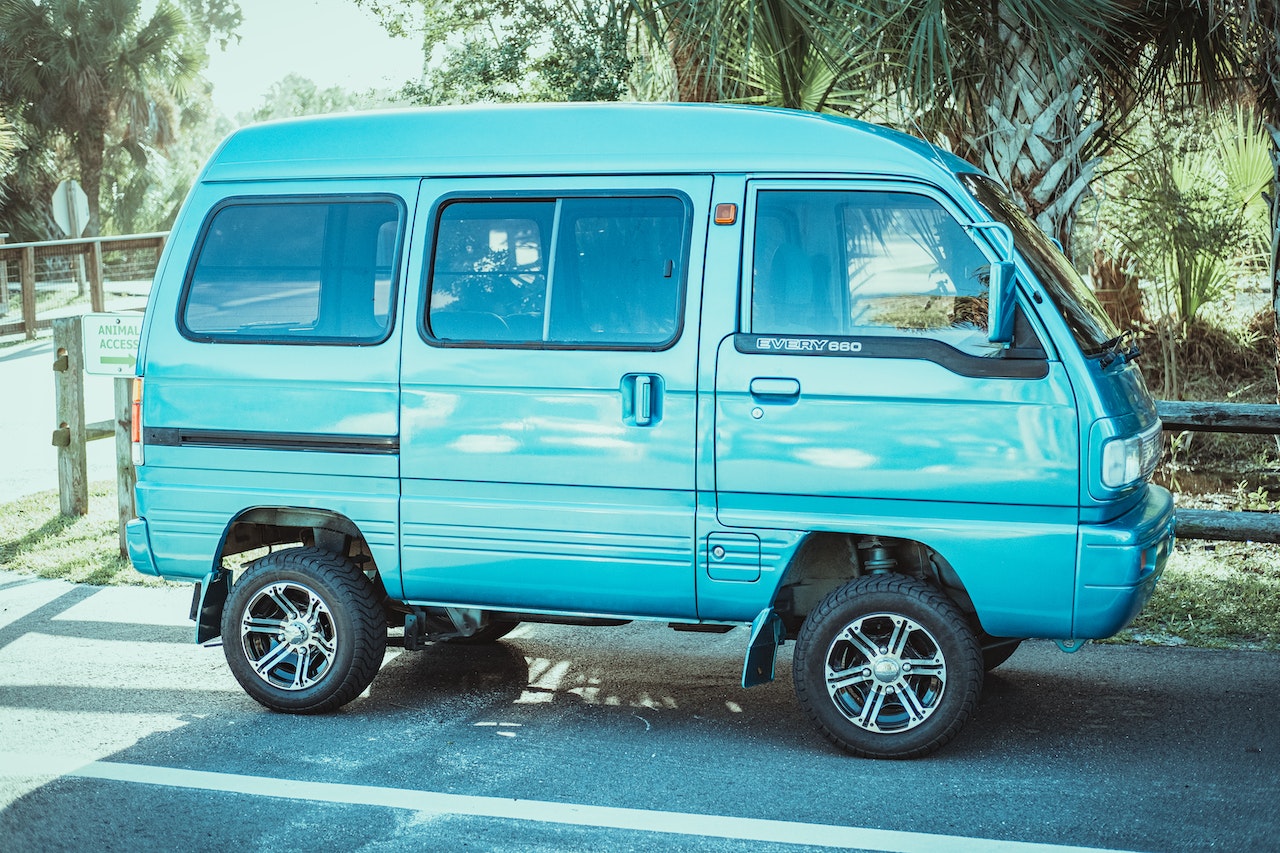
{"x": 644, "y": 400}
{"x": 775, "y": 388}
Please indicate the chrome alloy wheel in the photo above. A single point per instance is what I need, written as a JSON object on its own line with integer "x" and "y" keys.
{"x": 885, "y": 673}
{"x": 289, "y": 636}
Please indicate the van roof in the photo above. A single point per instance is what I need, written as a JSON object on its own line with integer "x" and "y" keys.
{"x": 579, "y": 139}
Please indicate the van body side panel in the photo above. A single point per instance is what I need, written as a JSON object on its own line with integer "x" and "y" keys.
{"x": 893, "y": 429}
{"x": 233, "y": 423}
{"x": 550, "y": 477}
{"x": 738, "y": 571}
{"x": 188, "y": 507}
{"x": 852, "y": 426}
{"x": 981, "y": 470}
{"x": 558, "y": 549}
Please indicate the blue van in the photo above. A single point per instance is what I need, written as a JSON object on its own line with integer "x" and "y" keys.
{"x": 450, "y": 370}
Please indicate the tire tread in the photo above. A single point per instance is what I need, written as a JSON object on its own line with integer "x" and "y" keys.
{"x": 368, "y": 625}
{"x": 914, "y": 590}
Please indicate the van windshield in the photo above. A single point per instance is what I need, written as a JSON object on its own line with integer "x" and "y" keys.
{"x": 1089, "y": 323}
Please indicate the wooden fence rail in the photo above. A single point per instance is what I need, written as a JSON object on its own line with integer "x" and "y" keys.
{"x": 1248, "y": 418}
{"x": 90, "y": 249}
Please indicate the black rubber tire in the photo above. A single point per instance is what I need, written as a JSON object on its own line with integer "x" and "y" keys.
{"x": 996, "y": 650}
{"x": 490, "y": 633}
{"x": 347, "y": 612}
{"x": 940, "y": 631}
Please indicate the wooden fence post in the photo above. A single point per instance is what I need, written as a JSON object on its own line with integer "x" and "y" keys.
{"x": 96, "y": 298}
{"x": 4, "y": 279}
{"x": 126, "y": 474}
{"x": 27, "y": 269}
{"x": 73, "y": 463}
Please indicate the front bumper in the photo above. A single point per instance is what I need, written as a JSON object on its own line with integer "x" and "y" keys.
{"x": 1119, "y": 563}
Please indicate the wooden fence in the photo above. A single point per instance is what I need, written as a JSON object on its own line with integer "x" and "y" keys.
{"x": 73, "y": 431}
{"x": 74, "y": 255}
{"x": 1249, "y": 418}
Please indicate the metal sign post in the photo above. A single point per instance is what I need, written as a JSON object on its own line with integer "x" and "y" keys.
{"x": 71, "y": 212}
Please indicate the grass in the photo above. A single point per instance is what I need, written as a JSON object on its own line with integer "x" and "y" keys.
{"x": 1213, "y": 595}
{"x": 35, "y": 539}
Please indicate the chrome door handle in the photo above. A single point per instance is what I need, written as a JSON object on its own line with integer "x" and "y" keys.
{"x": 775, "y": 388}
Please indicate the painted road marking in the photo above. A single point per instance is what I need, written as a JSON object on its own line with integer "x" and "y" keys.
{"x": 573, "y": 814}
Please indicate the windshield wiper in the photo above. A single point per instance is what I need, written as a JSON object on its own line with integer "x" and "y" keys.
{"x": 1123, "y": 347}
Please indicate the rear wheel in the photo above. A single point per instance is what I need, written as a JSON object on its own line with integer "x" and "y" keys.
{"x": 303, "y": 631}
{"x": 887, "y": 667}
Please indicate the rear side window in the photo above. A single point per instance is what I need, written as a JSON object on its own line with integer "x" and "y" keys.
{"x": 295, "y": 271}
{"x": 568, "y": 272}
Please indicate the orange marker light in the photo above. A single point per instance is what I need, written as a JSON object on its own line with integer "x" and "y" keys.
{"x": 726, "y": 214}
{"x": 135, "y": 420}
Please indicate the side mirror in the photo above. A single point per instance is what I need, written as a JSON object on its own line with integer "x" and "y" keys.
{"x": 1000, "y": 303}
{"x": 1000, "y": 294}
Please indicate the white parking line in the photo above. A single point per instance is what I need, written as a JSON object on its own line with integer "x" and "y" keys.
{"x": 636, "y": 820}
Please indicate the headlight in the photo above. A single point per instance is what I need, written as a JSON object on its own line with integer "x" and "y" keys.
{"x": 1127, "y": 460}
{"x": 1121, "y": 462}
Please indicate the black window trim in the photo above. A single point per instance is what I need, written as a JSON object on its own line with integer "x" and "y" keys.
{"x": 1025, "y": 359}
{"x": 1021, "y": 363}
{"x": 297, "y": 198}
{"x": 440, "y": 203}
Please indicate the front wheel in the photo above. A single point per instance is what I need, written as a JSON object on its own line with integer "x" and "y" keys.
{"x": 887, "y": 667}
{"x": 303, "y": 631}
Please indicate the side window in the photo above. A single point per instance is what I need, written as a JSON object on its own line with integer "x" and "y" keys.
{"x": 294, "y": 271}
{"x": 594, "y": 272}
{"x": 855, "y": 263}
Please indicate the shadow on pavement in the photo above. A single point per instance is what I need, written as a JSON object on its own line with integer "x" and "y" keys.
{"x": 1113, "y": 747}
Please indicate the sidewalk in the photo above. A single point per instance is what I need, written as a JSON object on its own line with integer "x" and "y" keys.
{"x": 28, "y": 459}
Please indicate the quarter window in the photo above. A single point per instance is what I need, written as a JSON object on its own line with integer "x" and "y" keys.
{"x": 603, "y": 272}
{"x": 858, "y": 263}
{"x": 295, "y": 271}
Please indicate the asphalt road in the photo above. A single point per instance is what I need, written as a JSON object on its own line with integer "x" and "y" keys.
{"x": 118, "y": 733}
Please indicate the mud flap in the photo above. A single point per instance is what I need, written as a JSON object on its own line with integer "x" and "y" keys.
{"x": 206, "y": 604}
{"x": 767, "y": 633}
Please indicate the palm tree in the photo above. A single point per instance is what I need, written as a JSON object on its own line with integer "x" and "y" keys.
{"x": 1007, "y": 84}
{"x": 8, "y": 147}
{"x": 1227, "y": 50}
{"x": 800, "y": 54}
{"x": 1014, "y": 86}
{"x": 79, "y": 68}
{"x": 1260, "y": 20}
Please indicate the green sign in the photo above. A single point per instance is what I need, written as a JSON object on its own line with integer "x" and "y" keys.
{"x": 111, "y": 343}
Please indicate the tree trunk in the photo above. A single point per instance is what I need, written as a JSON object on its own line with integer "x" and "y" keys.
{"x": 1275, "y": 247}
{"x": 1263, "y": 19}
{"x": 90, "y": 143}
{"x": 694, "y": 83}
